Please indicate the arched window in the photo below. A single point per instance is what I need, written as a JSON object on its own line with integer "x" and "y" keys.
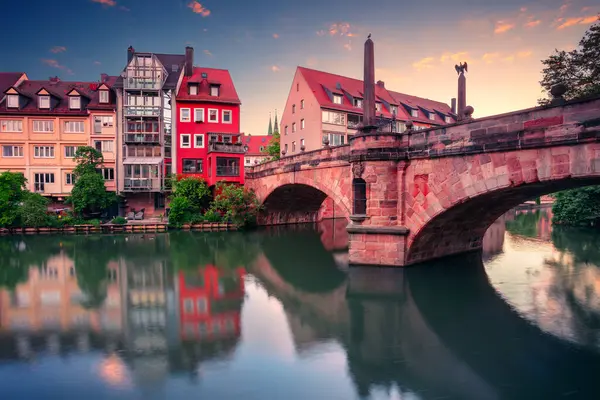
{"x": 359, "y": 190}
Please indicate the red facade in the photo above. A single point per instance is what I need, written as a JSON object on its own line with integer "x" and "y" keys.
{"x": 208, "y": 127}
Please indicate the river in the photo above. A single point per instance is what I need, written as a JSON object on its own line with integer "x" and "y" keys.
{"x": 278, "y": 314}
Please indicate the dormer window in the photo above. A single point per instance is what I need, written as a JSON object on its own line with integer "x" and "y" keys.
{"x": 337, "y": 99}
{"x": 394, "y": 110}
{"x": 193, "y": 90}
{"x": 448, "y": 120}
{"x": 103, "y": 96}
{"x": 75, "y": 102}
{"x": 44, "y": 102}
{"x": 214, "y": 90}
{"x": 378, "y": 107}
{"x": 414, "y": 113}
{"x": 432, "y": 116}
{"x": 12, "y": 100}
{"x": 358, "y": 103}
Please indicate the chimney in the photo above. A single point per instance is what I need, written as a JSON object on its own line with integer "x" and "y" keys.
{"x": 54, "y": 79}
{"x": 103, "y": 77}
{"x": 453, "y": 105}
{"x": 130, "y": 52}
{"x": 381, "y": 84}
{"x": 189, "y": 61}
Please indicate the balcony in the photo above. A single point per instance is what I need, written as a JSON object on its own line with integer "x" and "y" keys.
{"x": 142, "y": 111}
{"x": 233, "y": 148}
{"x": 228, "y": 170}
{"x": 143, "y": 137}
{"x": 142, "y": 184}
{"x": 141, "y": 83}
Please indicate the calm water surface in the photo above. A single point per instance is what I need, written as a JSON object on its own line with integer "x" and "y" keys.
{"x": 278, "y": 314}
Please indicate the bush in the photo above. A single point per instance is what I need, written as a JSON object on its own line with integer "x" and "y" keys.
{"x": 181, "y": 211}
{"x": 119, "y": 221}
{"x": 577, "y": 207}
{"x": 213, "y": 216}
{"x": 195, "y": 191}
{"x": 12, "y": 191}
{"x": 94, "y": 222}
{"x": 236, "y": 204}
{"x": 34, "y": 210}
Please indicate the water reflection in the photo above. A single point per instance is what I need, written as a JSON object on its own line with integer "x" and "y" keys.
{"x": 277, "y": 314}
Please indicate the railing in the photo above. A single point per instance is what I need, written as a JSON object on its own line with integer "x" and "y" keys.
{"x": 354, "y": 125}
{"x": 142, "y": 184}
{"x": 236, "y": 148}
{"x": 142, "y": 111}
{"x": 137, "y": 83}
{"x": 228, "y": 170}
{"x": 142, "y": 137}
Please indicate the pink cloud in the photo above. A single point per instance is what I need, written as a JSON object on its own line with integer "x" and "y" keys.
{"x": 208, "y": 53}
{"x": 502, "y": 27}
{"x": 275, "y": 68}
{"x": 110, "y": 3}
{"x": 58, "y": 49}
{"x": 533, "y": 23}
{"x": 276, "y": 35}
{"x": 348, "y": 46}
{"x": 55, "y": 64}
{"x": 566, "y": 23}
{"x": 97, "y": 63}
{"x": 198, "y": 8}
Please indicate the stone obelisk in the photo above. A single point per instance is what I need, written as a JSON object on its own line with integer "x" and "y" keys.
{"x": 369, "y": 115}
{"x": 462, "y": 95}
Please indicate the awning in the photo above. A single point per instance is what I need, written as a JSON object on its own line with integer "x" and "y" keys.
{"x": 143, "y": 160}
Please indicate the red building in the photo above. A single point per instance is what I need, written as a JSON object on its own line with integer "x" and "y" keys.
{"x": 210, "y": 302}
{"x": 208, "y": 143}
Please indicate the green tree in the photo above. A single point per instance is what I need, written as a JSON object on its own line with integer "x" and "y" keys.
{"x": 89, "y": 195}
{"x": 33, "y": 210}
{"x": 12, "y": 190}
{"x": 274, "y": 148}
{"x": 577, "y": 207}
{"x": 195, "y": 191}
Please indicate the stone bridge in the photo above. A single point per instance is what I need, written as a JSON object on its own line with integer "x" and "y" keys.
{"x": 419, "y": 195}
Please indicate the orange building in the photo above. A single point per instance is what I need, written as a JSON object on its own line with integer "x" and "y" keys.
{"x": 42, "y": 123}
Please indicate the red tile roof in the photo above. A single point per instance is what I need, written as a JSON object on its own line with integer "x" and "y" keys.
{"x": 227, "y": 92}
{"x": 254, "y": 144}
{"x": 321, "y": 82}
{"x": 437, "y": 107}
{"x": 8, "y": 79}
{"x": 59, "y": 90}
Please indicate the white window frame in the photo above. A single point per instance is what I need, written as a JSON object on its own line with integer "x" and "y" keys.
{"x": 198, "y": 111}
{"x": 103, "y": 96}
{"x": 432, "y": 116}
{"x": 448, "y": 119}
{"x": 44, "y": 102}
{"x": 230, "y": 116}
{"x": 75, "y": 102}
{"x": 69, "y": 125}
{"x": 394, "y": 109}
{"x": 43, "y": 151}
{"x": 302, "y": 124}
{"x": 45, "y": 123}
{"x": 189, "y": 141}
{"x": 74, "y": 151}
{"x": 212, "y": 92}
{"x": 414, "y": 113}
{"x": 106, "y": 175}
{"x": 338, "y": 99}
{"x": 196, "y": 136}
{"x": 106, "y": 146}
{"x": 301, "y": 142}
{"x": 193, "y": 90}
{"x": 69, "y": 178}
{"x": 378, "y": 107}
{"x": 12, "y": 100}
{"x": 11, "y": 125}
{"x": 15, "y": 149}
{"x": 358, "y": 103}
{"x": 216, "y": 121}
{"x": 182, "y": 118}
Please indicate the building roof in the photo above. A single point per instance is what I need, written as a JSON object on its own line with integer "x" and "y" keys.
{"x": 167, "y": 61}
{"x": 204, "y": 78}
{"x": 439, "y": 109}
{"x": 254, "y": 144}
{"x": 59, "y": 91}
{"x": 324, "y": 85}
{"x": 8, "y": 79}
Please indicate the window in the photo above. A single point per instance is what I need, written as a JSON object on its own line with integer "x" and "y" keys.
{"x": 102, "y": 121}
{"x": 108, "y": 174}
{"x": 394, "y": 110}
{"x": 199, "y": 141}
{"x": 414, "y": 113}
{"x": 293, "y": 147}
{"x": 302, "y": 104}
{"x": 69, "y": 178}
{"x": 302, "y": 142}
{"x": 104, "y": 146}
{"x": 228, "y": 166}
{"x": 74, "y": 127}
{"x": 75, "y": 103}
{"x": 44, "y": 102}
{"x": 193, "y": 90}
{"x": 432, "y": 116}
{"x": 285, "y": 148}
{"x": 337, "y": 99}
{"x": 335, "y": 139}
{"x": 40, "y": 181}
{"x": 185, "y": 141}
{"x": 12, "y": 151}
{"x": 448, "y": 120}
{"x": 226, "y": 139}
{"x": 70, "y": 151}
{"x": 359, "y": 191}
{"x": 297, "y": 87}
{"x": 192, "y": 165}
{"x": 302, "y": 123}
{"x": 185, "y": 115}
{"x": 226, "y": 119}
{"x": 202, "y": 306}
{"x": 12, "y": 100}
{"x": 213, "y": 115}
{"x": 214, "y": 138}
{"x": 103, "y": 96}
{"x": 188, "y": 306}
{"x": 293, "y": 109}
{"x": 285, "y": 130}
{"x": 43, "y": 152}
{"x": 43, "y": 126}
{"x": 332, "y": 117}
{"x": 13, "y": 125}
{"x": 358, "y": 103}
{"x": 261, "y": 149}
{"x": 214, "y": 90}
{"x": 199, "y": 114}
{"x": 378, "y": 107}
{"x": 293, "y": 127}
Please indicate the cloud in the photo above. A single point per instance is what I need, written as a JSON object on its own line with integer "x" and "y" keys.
{"x": 97, "y": 63}
{"x": 208, "y": 53}
{"x": 110, "y": 3}
{"x": 563, "y": 8}
{"x": 275, "y": 68}
{"x": 321, "y": 33}
{"x": 348, "y": 46}
{"x": 454, "y": 57}
{"x": 566, "y": 23}
{"x": 198, "y": 8}
{"x": 490, "y": 57}
{"x": 55, "y": 64}
{"x": 337, "y": 29}
{"x": 58, "y": 49}
{"x": 523, "y": 9}
{"x": 276, "y": 36}
{"x": 123, "y": 8}
{"x": 424, "y": 63}
{"x": 533, "y": 23}
{"x": 503, "y": 26}
{"x": 524, "y": 54}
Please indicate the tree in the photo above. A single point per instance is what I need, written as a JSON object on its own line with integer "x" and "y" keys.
{"x": 578, "y": 69}
{"x": 33, "y": 210}
{"x": 12, "y": 190}
{"x": 89, "y": 194}
{"x": 236, "y": 203}
{"x": 195, "y": 191}
{"x": 274, "y": 147}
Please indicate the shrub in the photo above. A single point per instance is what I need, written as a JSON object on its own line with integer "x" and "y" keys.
{"x": 195, "y": 191}
{"x": 34, "y": 210}
{"x": 181, "y": 211}
{"x": 236, "y": 204}
{"x": 12, "y": 191}
{"x": 212, "y": 216}
{"x": 119, "y": 221}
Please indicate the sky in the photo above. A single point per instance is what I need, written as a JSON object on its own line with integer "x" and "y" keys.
{"x": 261, "y": 42}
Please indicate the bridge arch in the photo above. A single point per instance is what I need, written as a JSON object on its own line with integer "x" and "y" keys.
{"x": 449, "y": 212}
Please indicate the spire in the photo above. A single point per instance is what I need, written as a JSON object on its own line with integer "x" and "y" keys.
{"x": 270, "y": 132}
{"x": 276, "y": 128}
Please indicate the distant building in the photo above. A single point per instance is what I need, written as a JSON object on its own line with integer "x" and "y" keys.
{"x": 323, "y": 107}
{"x": 256, "y": 149}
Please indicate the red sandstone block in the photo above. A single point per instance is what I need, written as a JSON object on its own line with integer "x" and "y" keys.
{"x": 543, "y": 122}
